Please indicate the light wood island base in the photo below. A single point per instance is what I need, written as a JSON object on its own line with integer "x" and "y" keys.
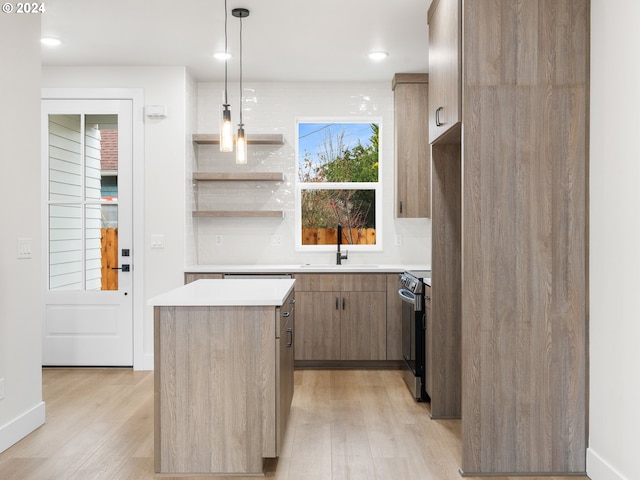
{"x": 217, "y": 394}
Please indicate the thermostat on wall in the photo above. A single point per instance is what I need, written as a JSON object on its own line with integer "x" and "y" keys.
{"x": 155, "y": 111}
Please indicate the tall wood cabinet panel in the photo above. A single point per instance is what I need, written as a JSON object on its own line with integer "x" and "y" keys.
{"x": 444, "y": 359}
{"x": 523, "y": 266}
{"x": 445, "y": 106}
{"x": 413, "y": 178}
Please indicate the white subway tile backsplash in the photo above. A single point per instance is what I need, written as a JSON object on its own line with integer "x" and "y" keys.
{"x": 275, "y": 108}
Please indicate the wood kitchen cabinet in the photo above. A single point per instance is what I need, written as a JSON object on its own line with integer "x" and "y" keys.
{"x": 394, "y": 319}
{"x": 223, "y": 379}
{"x": 340, "y": 317}
{"x": 430, "y": 360}
{"x": 445, "y": 105}
{"x": 319, "y": 325}
{"x": 193, "y": 276}
{"x": 509, "y": 226}
{"x": 284, "y": 366}
{"x": 411, "y": 111}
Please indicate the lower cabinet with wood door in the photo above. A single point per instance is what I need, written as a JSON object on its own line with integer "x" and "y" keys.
{"x": 340, "y": 318}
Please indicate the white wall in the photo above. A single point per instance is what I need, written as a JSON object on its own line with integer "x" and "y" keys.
{"x": 274, "y": 108}
{"x": 22, "y": 409}
{"x": 164, "y": 161}
{"x": 614, "y": 412}
{"x": 169, "y": 158}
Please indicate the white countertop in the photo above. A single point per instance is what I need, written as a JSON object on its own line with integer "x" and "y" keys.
{"x": 226, "y": 293}
{"x": 309, "y": 268}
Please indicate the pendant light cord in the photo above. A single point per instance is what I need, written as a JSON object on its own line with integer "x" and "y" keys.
{"x": 240, "y": 71}
{"x": 226, "y": 53}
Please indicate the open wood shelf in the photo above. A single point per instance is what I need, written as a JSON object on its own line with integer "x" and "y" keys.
{"x": 238, "y": 213}
{"x": 238, "y": 176}
{"x": 252, "y": 139}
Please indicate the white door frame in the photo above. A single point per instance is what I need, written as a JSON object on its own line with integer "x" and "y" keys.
{"x": 136, "y": 95}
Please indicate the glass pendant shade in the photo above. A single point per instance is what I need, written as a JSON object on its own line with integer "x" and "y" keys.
{"x": 241, "y": 147}
{"x": 226, "y": 131}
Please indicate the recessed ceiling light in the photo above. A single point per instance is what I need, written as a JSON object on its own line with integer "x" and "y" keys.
{"x": 50, "y": 42}
{"x": 378, "y": 55}
{"x": 222, "y": 56}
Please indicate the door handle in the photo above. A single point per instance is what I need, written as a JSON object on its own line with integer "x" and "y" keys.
{"x": 125, "y": 267}
{"x": 290, "y": 332}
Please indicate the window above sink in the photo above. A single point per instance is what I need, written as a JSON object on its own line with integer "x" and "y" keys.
{"x": 338, "y": 183}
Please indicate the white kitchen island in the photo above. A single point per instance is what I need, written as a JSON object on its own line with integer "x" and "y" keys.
{"x": 223, "y": 375}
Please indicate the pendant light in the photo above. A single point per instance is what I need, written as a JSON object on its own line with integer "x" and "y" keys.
{"x": 241, "y": 141}
{"x": 226, "y": 133}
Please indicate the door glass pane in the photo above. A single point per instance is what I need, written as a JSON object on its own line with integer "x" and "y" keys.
{"x": 65, "y": 247}
{"x": 83, "y": 202}
{"x": 101, "y": 157}
{"x": 65, "y": 158}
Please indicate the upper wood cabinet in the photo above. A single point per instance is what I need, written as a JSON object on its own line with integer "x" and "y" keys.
{"x": 445, "y": 105}
{"x": 410, "y": 100}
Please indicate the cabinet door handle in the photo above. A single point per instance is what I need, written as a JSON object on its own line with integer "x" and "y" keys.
{"x": 343, "y": 303}
{"x": 438, "y": 122}
{"x": 290, "y": 342}
{"x": 292, "y": 301}
{"x": 337, "y": 304}
{"x": 400, "y": 206}
{"x": 286, "y": 314}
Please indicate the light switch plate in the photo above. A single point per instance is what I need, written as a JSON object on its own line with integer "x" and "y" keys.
{"x": 1, "y": 388}
{"x": 25, "y": 248}
{"x": 157, "y": 241}
{"x": 218, "y": 240}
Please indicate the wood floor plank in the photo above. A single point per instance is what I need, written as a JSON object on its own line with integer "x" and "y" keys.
{"x": 344, "y": 425}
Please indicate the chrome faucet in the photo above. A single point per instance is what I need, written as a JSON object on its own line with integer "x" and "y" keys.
{"x": 340, "y": 256}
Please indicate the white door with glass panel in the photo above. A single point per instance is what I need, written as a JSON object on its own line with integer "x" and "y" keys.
{"x": 87, "y": 177}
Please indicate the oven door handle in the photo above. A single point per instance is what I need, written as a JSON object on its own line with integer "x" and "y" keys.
{"x": 407, "y": 296}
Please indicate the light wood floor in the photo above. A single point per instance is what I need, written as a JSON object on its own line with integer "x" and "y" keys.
{"x": 345, "y": 425}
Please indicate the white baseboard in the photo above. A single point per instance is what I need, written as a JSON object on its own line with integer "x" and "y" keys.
{"x": 148, "y": 362}
{"x": 599, "y": 469}
{"x": 20, "y": 427}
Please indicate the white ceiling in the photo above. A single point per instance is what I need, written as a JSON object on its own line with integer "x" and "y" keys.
{"x": 283, "y": 40}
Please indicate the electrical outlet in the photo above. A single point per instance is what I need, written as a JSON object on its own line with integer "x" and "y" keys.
{"x": 276, "y": 240}
{"x": 1, "y": 388}
{"x": 218, "y": 240}
{"x": 398, "y": 240}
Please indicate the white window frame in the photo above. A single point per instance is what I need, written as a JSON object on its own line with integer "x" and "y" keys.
{"x": 376, "y": 186}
